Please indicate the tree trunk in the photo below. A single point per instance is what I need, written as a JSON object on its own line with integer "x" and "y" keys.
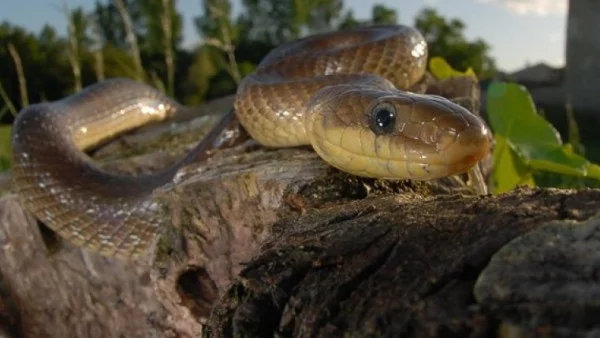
{"x": 582, "y": 76}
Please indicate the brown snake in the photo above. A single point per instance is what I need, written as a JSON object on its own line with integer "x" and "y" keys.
{"x": 340, "y": 92}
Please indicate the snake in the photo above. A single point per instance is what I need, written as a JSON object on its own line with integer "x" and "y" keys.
{"x": 346, "y": 93}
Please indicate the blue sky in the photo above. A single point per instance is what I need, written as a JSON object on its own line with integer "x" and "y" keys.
{"x": 519, "y": 31}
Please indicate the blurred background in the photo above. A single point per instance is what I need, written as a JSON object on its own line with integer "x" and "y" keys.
{"x": 198, "y": 50}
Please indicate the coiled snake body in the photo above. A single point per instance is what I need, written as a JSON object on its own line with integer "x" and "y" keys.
{"x": 340, "y": 92}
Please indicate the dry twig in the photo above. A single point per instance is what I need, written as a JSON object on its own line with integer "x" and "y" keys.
{"x": 165, "y": 20}
{"x": 227, "y": 44}
{"x": 20, "y": 74}
{"x": 73, "y": 48}
{"x": 131, "y": 39}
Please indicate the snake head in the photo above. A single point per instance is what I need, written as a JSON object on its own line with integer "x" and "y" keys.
{"x": 392, "y": 134}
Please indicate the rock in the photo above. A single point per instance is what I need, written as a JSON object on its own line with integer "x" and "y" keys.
{"x": 549, "y": 278}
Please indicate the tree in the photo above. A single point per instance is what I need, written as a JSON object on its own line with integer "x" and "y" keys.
{"x": 218, "y": 31}
{"x": 150, "y": 25}
{"x": 110, "y": 24}
{"x": 349, "y": 21}
{"x": 162, "y": 29}
{"x": 383, "y": 15}
{"x": 380, "y": 14}
{"x": 215, "y": 60}
{"x": 151, "y": 28}
{"x": 216, "y": 23}
{"x": 446, "y": 39}
{"x": 278, "y": 21}
{"x": 78, "y": 41}
{"x": 44, "y": 60}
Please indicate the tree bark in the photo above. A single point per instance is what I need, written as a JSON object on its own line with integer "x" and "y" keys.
{"x": 396, "y": 266}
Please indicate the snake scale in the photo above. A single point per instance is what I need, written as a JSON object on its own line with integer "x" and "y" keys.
{"x": 344, "y": 93}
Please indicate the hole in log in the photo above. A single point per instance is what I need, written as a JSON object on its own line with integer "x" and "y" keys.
{"x": 197, "y": 290}
{"x": 51, "y": 240}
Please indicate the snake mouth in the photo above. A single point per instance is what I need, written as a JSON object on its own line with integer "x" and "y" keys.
{"x": 466, "y": 149}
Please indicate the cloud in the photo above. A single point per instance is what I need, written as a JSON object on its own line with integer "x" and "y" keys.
{"x": 536, "y": 7}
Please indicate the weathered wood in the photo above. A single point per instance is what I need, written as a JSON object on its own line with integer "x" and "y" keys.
{"x": 389, "y": 266}
{"x": 225, "y": 210}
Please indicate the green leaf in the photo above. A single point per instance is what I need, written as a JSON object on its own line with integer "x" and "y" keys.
{"x": 521, "y": 131}
{"x": 560, "y": 159}
{"x": 509, "y": 170}
{"x": 593, "y": 170}
{"x": 512, "y": 114}
{"x": 442, "y": 70}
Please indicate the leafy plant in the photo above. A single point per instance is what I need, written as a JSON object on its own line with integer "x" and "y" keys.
{"x": 440, "y": 68}
{"x": 526, "y": 143}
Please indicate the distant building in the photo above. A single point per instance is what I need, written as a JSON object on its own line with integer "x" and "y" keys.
{"x": 538, "y": 75}
{"x": 545, "y": 83}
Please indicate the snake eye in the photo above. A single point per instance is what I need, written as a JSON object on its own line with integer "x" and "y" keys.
{"x": 383, "y": 119}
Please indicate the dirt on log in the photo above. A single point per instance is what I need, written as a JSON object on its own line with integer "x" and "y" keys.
{"x": 266, "y": 242}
